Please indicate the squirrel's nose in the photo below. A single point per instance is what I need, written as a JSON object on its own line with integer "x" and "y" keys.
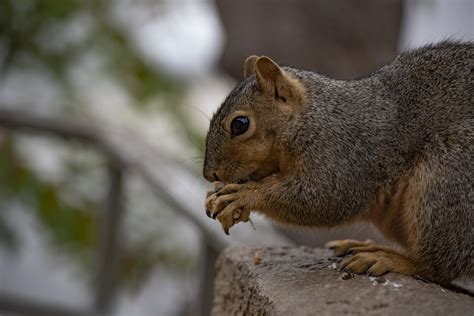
{"x": 211, "y": 175}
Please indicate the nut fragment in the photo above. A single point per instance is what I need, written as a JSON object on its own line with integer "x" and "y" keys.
{"x": 237, "y": 214}
{"x": 252, "y": 224}
{"x": 218, "y": 186}
{"x": 347, "y": 276}
{"x": 257, "y": 258}
{"x": 380, "y": 279}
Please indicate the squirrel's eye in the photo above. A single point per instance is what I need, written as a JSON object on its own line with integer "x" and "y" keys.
{"x": 239, "y": 126}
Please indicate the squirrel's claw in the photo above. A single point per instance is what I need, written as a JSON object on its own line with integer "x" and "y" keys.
{"x": 345, "y": 246}
{"x": 226, "y": 205}
{"x": 221, "y": 202}
{"x": 378, "y": 263}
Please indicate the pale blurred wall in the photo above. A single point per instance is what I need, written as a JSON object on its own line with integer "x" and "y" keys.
{"x": 339, "y": 38}
{"x": 427, "y": 21}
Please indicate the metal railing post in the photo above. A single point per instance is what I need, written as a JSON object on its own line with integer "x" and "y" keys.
{"x": 207, "y": 279}
{"x": 108, "y": 254}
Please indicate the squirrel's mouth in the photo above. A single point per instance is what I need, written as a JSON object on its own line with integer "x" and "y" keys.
{"x": 255, "y": 176}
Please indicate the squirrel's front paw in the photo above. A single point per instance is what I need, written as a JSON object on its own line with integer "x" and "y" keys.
{"x": 228, "y": 205}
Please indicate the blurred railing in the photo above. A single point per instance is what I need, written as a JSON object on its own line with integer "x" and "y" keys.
{"x": 174, "y": 184}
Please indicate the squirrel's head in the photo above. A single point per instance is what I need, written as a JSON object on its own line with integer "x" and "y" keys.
{"x": 246, "y": 134}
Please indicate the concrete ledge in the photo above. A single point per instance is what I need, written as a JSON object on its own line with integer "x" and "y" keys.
{"x": 305, "y": 281}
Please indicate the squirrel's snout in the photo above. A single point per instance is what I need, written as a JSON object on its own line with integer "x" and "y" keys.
{"x": 211, "y": 177}
{"x": 210, "y": 174}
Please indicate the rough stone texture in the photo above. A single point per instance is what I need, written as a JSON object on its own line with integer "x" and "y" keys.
{"x": 306, "y": 281}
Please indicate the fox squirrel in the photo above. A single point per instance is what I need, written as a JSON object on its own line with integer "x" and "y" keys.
{"x": 394, "y": 148}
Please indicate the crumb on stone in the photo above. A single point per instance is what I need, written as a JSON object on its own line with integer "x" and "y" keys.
{"x": 257, "y": 258}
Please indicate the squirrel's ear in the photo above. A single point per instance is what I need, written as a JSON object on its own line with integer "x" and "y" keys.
{"x": 267, "y": 73}
{"x": 249, "y": 66}
{"x": 273, "y": 80}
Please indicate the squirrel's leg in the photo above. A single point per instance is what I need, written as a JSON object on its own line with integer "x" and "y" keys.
{"x": 287, "y": 199}
{"x": 431, "y": 216}
{"x": 233, "y": 203}
{"x": 445, "y": 218}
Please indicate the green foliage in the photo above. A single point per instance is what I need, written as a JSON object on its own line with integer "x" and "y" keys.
{"x": 25, "y": 41}
{"x": 70, "y": 227}
{"x": 23, "y": 21}
{"x": 20, "y": 24}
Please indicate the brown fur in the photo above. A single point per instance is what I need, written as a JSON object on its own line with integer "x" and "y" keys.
{"x": 395, "y": 212}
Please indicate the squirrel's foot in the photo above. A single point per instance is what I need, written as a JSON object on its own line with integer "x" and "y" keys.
{"x": 344, "y": 246}
{"x": 350, "y": 246}
{"x": 228, "y": 206}
{"x": 378, "y": 263}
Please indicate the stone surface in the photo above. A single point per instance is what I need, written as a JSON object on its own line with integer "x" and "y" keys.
{"x": 306, "y": 281}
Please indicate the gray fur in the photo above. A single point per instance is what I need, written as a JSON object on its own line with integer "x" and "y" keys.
{"x": 361, "y": 135}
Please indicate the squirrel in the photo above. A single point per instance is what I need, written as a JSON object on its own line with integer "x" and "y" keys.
{"x": 394, "y": 148}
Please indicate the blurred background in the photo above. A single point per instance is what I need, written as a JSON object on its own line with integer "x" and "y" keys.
{"x": 87, "y": 223}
